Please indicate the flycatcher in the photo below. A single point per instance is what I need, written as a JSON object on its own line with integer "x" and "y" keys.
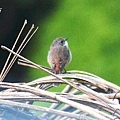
{"x": 59, "y": 55}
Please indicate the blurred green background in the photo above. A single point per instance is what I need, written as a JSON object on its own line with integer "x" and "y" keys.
{"x": 93, "y": 31}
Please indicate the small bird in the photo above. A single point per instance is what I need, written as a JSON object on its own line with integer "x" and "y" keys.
{"x": 59, "y": 55}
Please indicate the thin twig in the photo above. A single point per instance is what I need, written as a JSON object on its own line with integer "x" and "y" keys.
{"x": 25, "y": 22}
{"x": 23, "y": 44}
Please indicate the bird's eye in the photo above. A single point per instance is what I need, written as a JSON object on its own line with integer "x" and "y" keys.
{"x": 62, "y": 41}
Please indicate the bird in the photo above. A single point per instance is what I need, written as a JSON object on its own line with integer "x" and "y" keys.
{"x": 59, "y": 55}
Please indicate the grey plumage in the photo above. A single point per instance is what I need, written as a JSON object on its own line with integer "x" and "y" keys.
{"x": 59, "y": 55}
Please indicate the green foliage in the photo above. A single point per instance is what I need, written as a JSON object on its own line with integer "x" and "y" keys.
{"x": 93, "y": 31}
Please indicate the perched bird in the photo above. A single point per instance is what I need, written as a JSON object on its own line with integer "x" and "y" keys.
{"x": 59, "y": 55}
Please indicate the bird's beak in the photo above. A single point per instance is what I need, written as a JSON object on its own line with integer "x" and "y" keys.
{"x": 66, "y": 39}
